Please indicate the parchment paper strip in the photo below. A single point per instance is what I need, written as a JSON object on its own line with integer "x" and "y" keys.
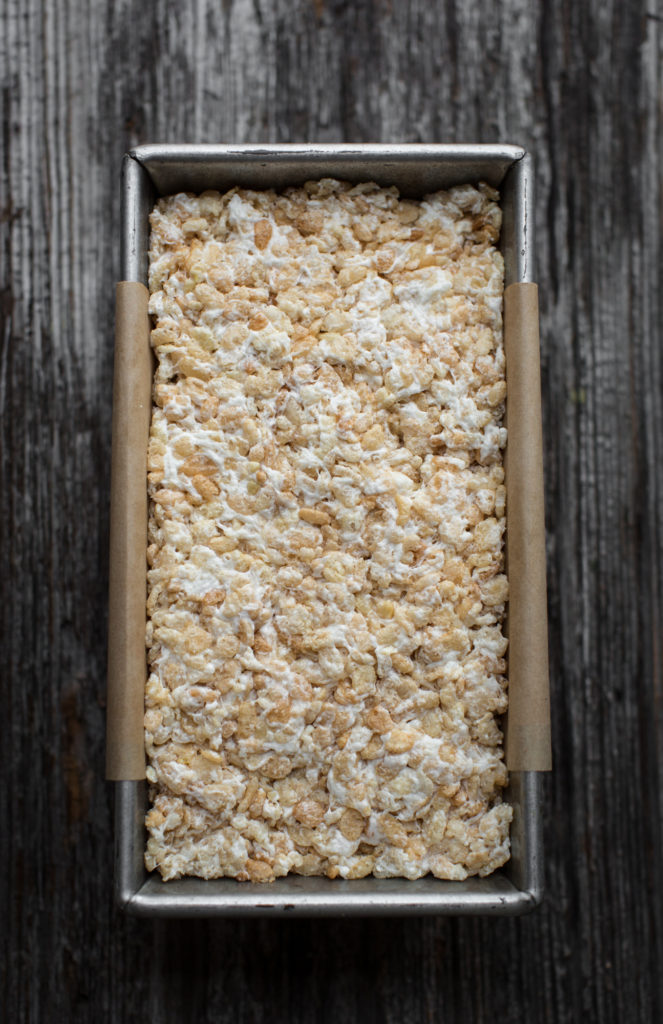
{"x": 528, "y": 725}
{"x": 125, "y": 755}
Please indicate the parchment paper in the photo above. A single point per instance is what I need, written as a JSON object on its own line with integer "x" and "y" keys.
{"x": 125, "y": 749}
{"x": 528, "y": 720}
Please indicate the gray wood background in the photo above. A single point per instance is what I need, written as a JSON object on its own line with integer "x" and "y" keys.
{"x": 579, "y": 83}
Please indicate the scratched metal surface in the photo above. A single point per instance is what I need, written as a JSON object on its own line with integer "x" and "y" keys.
{"x": 578, "y": 84}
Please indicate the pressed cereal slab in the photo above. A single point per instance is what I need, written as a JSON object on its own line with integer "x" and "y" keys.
{"x": 326, "y": 590}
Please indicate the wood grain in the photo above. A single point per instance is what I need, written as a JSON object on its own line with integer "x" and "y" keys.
{"x": 579, "y": 84}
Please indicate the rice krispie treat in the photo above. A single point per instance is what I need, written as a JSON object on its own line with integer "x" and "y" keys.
{"x": 326, "y": 588}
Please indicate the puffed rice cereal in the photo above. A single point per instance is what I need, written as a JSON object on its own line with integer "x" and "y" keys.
{"x": 326, "y": 586}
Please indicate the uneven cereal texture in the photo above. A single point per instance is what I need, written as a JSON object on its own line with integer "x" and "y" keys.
{"x": 325, "y": 541}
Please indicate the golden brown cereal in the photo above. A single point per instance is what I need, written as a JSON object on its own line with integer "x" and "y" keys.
{"x": 326, "y": 585}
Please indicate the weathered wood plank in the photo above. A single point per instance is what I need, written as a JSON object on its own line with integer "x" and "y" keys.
{"x": 578, "y": 84}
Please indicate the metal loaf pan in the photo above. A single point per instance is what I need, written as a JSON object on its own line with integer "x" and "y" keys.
{"x": 154, "y": 170}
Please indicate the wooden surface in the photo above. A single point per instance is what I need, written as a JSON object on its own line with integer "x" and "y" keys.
{"x": 579, "y": 83}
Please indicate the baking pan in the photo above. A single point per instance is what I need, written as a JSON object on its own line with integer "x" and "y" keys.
{"x": 154, "y": 170}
